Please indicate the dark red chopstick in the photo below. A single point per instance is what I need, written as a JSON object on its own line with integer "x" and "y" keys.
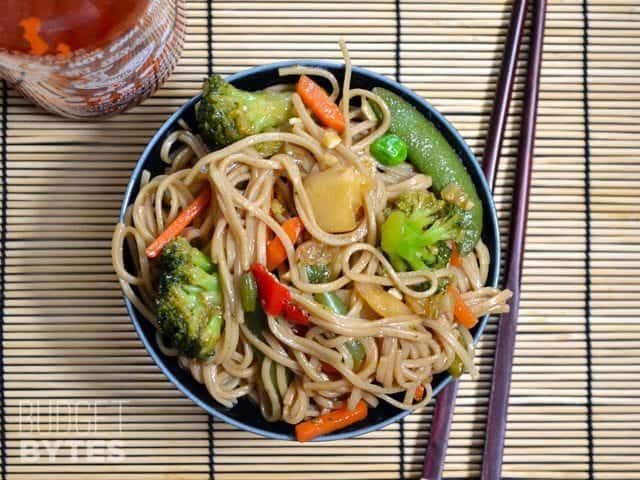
{"x": 504, "y": 90}
{"x": 445, "y": 402}
{"x": 506, "y": 334}
{"x": 439, "y": 435}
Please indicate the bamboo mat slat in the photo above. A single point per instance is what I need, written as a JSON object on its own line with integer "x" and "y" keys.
{"x": 73, "y": 368}
{"x": 610, "y": 184}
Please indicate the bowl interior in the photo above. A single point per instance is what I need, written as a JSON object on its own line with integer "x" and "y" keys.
{"x": 245, "y": 415}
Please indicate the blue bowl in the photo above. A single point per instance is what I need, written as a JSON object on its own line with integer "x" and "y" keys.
{"x": 245, "y": 415}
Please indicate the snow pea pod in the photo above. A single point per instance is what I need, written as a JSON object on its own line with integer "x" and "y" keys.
{"x": 432, "y": 155}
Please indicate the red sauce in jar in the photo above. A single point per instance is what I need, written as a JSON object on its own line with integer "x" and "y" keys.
{"x": 59, "y": 27}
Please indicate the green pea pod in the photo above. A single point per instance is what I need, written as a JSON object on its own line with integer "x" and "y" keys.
{"x": 431, "y": 154}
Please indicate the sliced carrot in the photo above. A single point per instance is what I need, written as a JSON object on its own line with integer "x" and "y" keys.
{"x": 314, "y": 97}
{"x": 419, "y": 394}
{"x": 176, "y": 227}
{"x": 461, "y": 310}
{"x": 330, "y": 422}
{"x": 456, "y": 259}
{"x": 276, "y": 254}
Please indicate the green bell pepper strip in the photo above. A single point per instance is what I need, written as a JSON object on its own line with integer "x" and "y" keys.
{"x": 248, "y": 292}
{"x": 334, "y": 303}
{"x": 456, "y": 369}
{"x": 257, "y": 322}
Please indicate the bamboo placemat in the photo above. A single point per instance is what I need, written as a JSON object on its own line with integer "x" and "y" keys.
{"x": 75, "y": 377}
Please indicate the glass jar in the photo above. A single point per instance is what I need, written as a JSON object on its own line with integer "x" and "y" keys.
{"x": 89, "y": 58}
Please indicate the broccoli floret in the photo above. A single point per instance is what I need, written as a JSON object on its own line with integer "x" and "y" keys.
{"x": 443, "y": 255}
{"x": 419, "y": 202}
{"x": 421, "y": 207}
{"x": 189, "y": 301}
{"x": 449, "y": 226}
{"x": 417, "y": 229}
{"x": 227, "y": 114}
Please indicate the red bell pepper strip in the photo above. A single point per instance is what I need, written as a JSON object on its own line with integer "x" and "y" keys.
{"x": 273, "y": 295}
{"x": 276, "y": 298}
{"x": 329, "y": 369}
{"x": 300, "y": 330}
{"x": 295, "y": 314}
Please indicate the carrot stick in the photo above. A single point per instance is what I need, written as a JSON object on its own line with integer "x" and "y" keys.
{"x": 456, "y": 259}
{"x": 276, "y": 254}
{"x": 185, "y": 217}
{"x": 330, "y": 422}
{"x": 314, "y": 97}
{"x": 461, "y": 310}
{"x": 419, "y": 394}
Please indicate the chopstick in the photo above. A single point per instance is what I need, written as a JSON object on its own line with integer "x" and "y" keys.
{"x": 439, "y": 436}
{"x": 435, "y": 454}
{"x": 506, "y": 334}
{"x": 445, "y": 403}
{"x": 504, "y": 90}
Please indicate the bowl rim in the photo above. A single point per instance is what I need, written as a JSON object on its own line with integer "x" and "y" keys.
{"x": 461, "y": 148}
